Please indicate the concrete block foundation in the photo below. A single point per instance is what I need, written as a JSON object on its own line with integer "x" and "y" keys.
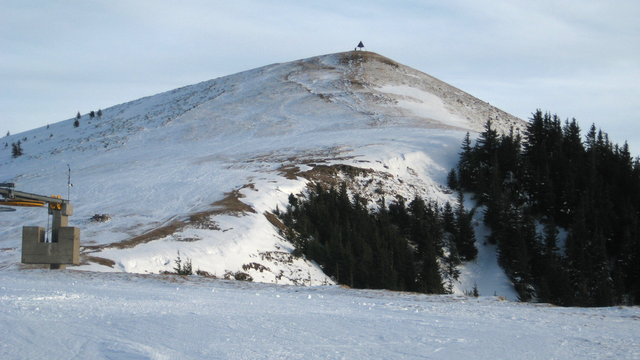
{"x": 65, "y": 251}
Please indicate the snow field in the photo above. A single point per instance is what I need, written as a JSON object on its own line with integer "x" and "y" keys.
{"x": 76, "y": 314}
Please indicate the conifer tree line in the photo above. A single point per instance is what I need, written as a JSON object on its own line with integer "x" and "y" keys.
{"x": 548, "y": 179}
{"x": 409, "y": 247}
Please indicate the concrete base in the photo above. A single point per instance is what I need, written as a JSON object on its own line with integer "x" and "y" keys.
{"x": 36, "y": 251}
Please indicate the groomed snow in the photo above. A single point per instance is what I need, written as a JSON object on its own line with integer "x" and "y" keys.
{"x": 86, "y": 315}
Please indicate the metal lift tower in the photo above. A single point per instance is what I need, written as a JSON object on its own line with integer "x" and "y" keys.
{"x": 64, "y": 246}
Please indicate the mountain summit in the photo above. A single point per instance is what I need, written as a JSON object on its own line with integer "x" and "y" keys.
{"x": 200, "y": 169}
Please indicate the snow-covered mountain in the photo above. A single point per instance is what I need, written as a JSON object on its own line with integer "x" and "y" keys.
{"x": 200, "y": 169}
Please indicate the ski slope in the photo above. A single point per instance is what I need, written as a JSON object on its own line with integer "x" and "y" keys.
{"x": 198, "y": 169}
{"x": 86, "y": 315}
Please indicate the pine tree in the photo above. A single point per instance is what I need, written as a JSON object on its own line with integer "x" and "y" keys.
{"x": 465, "y": 237}
{"x": 78, "y": 116}
{"x": 452, "y": 180}
{"x": 76, "y": 123}
{"x": 487, "y": 145}
{"x": 16, "y": 149}
{"x": 591, "y": 138}
{"x": 535, "y": 132}
{"x": 183, "y": 269}
{"x": 451, "y": 273}
{"x": 467, "y": 168}
{"x": 449, "y": 219}
{"x": 513, "y": 250}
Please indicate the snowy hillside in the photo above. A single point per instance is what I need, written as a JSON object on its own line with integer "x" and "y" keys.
{"x": 85, "y": 315}
{"x": 199, "y": 169}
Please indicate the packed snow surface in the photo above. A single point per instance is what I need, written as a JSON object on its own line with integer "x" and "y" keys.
{"x": 86, "y": 315}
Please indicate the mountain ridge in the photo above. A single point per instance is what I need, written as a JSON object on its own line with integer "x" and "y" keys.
{"x": 156, "y": 162}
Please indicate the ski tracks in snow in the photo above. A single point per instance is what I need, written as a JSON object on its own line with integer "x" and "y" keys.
{"x": 66, "y": 314}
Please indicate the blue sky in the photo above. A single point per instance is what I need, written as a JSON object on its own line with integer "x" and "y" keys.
{"x": 574, "y": 58}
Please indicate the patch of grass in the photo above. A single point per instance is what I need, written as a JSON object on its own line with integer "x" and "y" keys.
{"x": 202, "y": 220}
{"x": 289, "y": 171}
{"x": 366, "y": 56}
{"x": 97, "y": 260}
{"x": 277, "y": 257}
{"x": 190, "y": 239}
{"x": 328, "y": 174}
{"x": 239, "y": 276}
{"x": 255, "y": 266}
{"x": 275, "y": 221}
{"x": 155, "y": 234}
{"x": 205, "y": 274}
{"x": 229, "y": 205}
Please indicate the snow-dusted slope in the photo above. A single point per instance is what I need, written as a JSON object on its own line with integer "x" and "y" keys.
{"x": 197, "y": 169}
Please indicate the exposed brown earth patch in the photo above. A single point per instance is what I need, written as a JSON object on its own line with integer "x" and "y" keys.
{"x": 328, "y": 172}
{"x": 86, "y": 260}
{"x": 255, "y": 266}
{"x": 325, "y": 174}
{"x": 188, "y": 239}
{"x": 229, "y": 205}
{"x": 152, "y": 235}
{"x": 277, "y": 257}
{"x": 366, "y": 56}
{"x": 275, "y": 221}
{"x": 289, "y": 171}
{"x": 368, "y": 183}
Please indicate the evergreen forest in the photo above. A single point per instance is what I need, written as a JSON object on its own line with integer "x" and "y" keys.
{"x": 409, "y": 247}
{"x": 562, "y": 210}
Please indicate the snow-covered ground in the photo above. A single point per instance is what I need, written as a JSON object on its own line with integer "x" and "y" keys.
{"x": 197, "y": 169}
{"x": 87, "y": 315}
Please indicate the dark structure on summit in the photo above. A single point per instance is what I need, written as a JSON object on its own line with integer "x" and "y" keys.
{"x": 359, "y": 47}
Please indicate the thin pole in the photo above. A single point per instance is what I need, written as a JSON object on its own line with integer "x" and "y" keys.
{"x": 69, "y": 185}
{"x": 46, "y": 233}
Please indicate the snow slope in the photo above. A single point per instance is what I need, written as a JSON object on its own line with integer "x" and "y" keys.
{"x": 197, "y": 169}
{"x": 85, "y": 315}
